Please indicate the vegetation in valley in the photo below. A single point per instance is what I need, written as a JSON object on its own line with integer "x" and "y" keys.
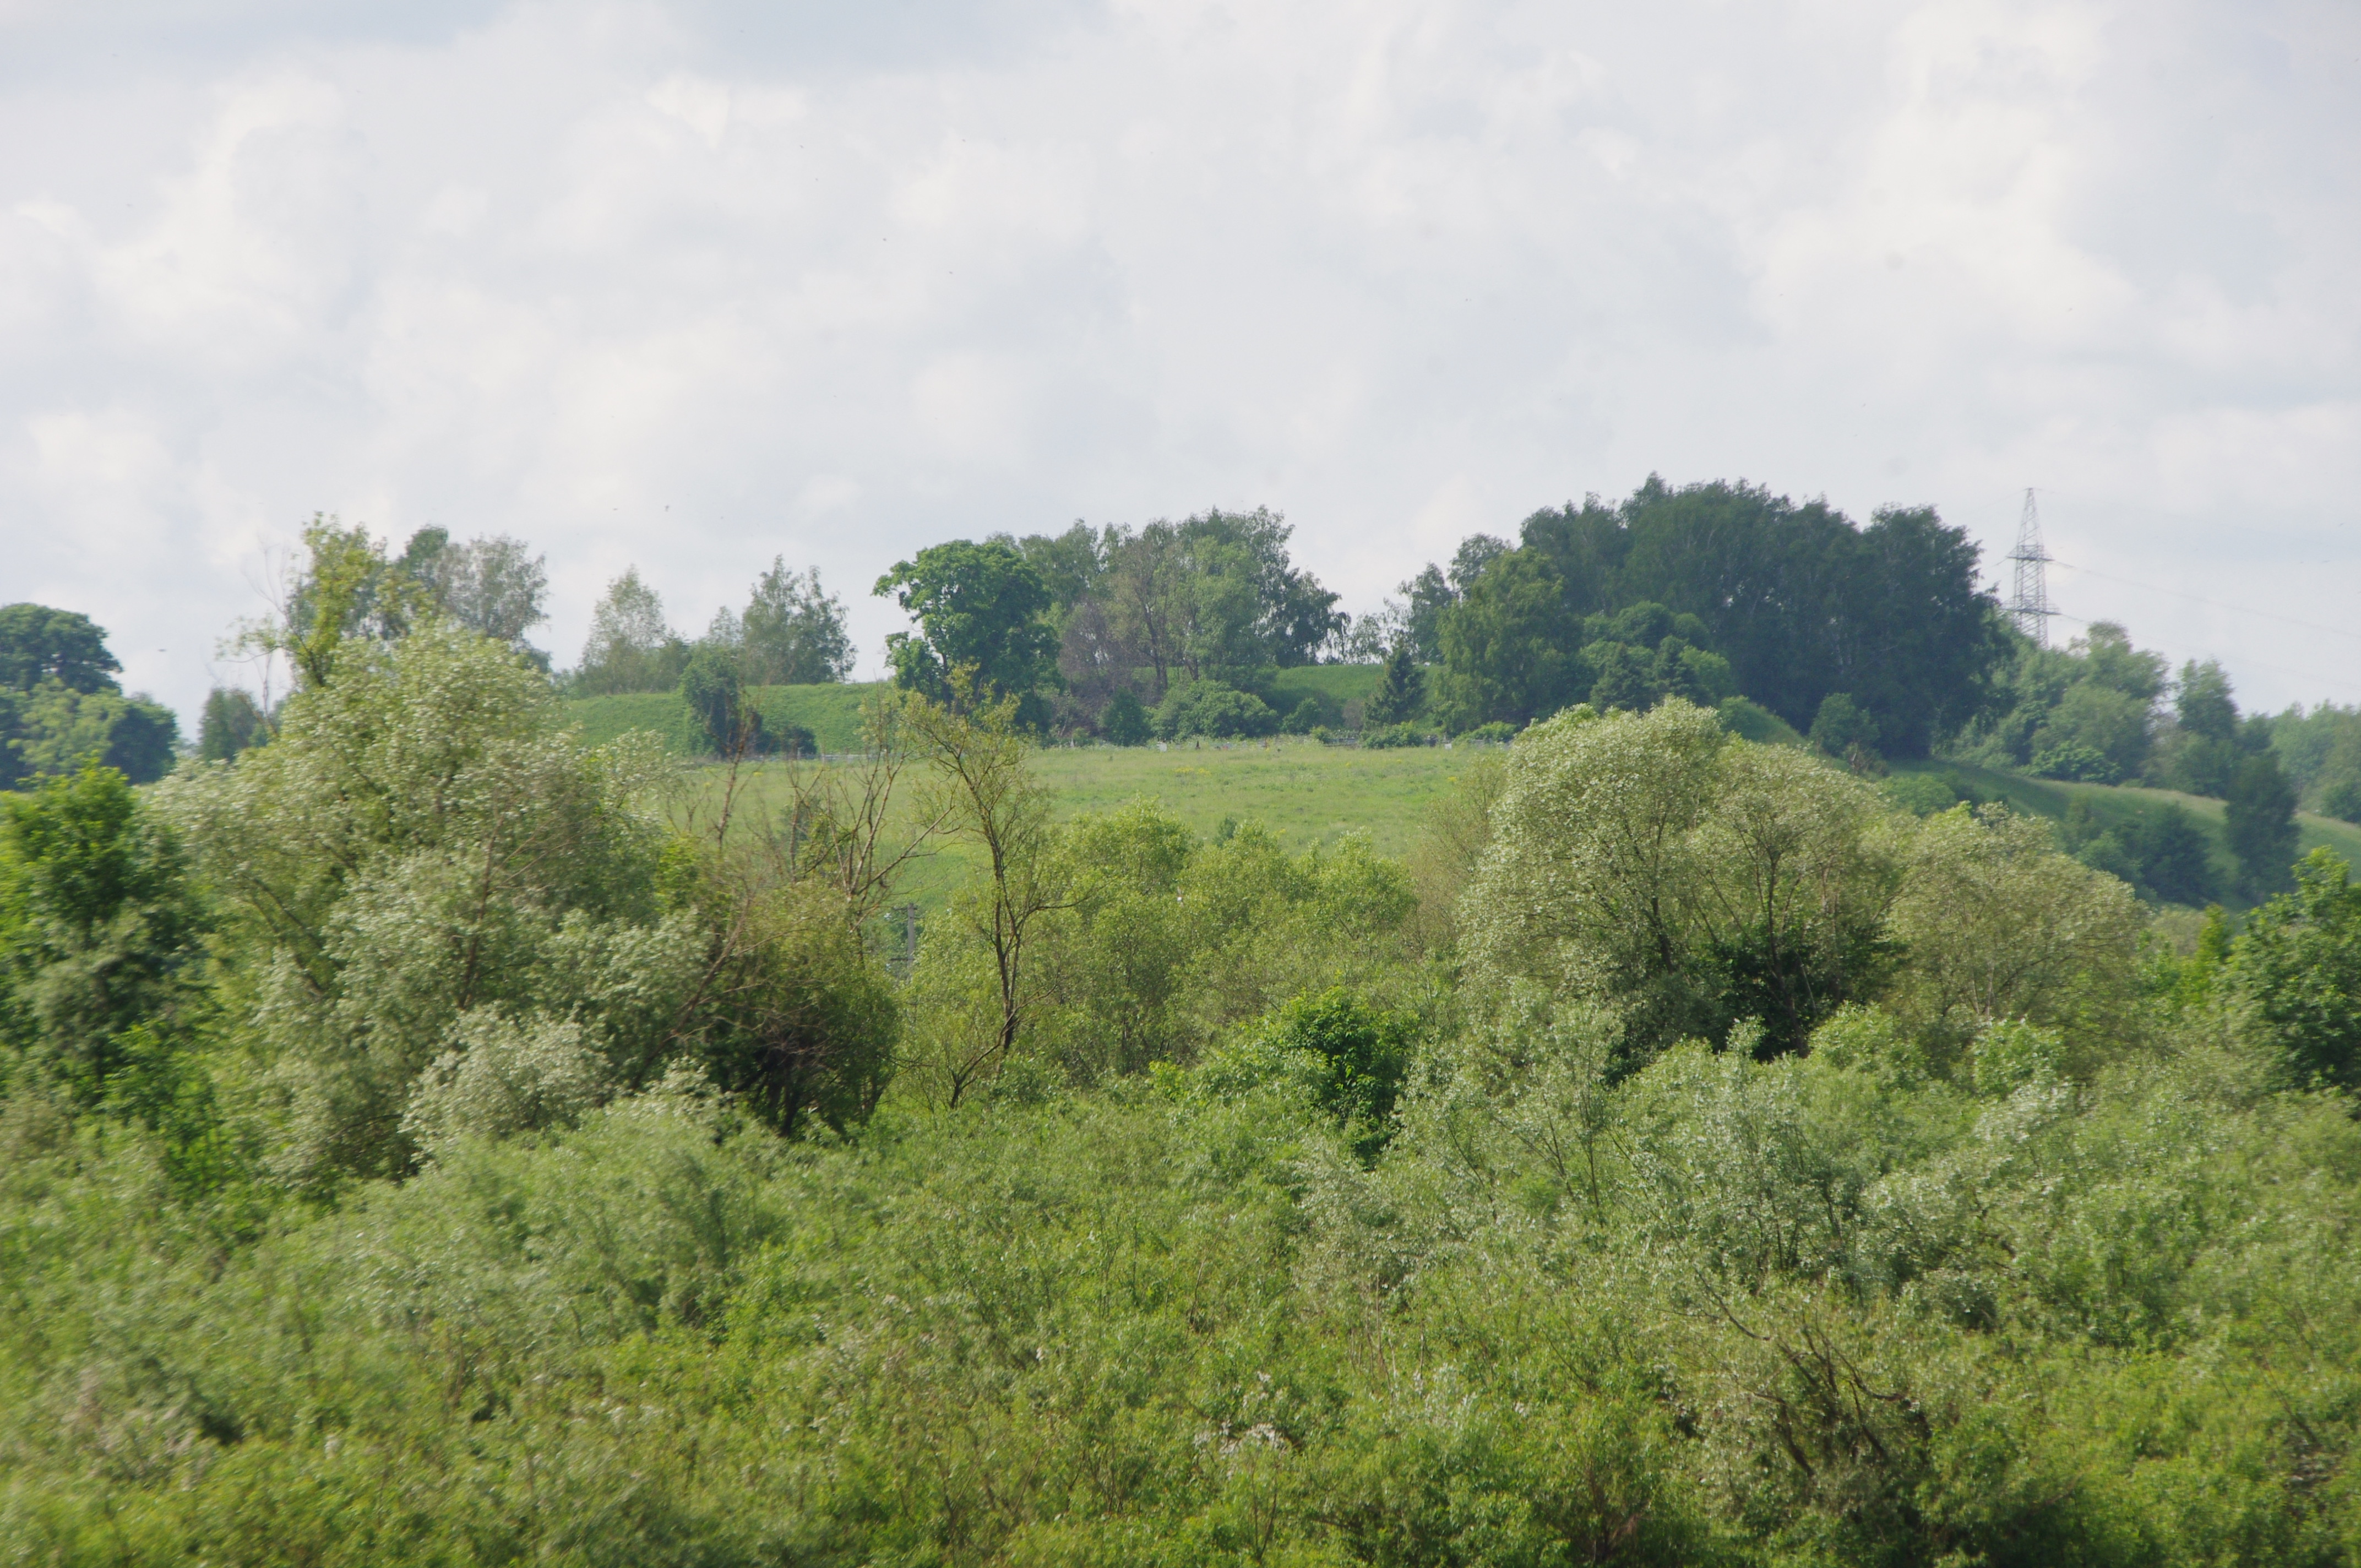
{"x": 1685, "y": 1124}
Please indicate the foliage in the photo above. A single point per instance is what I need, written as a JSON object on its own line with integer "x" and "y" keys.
{"x": 2296, "y": 969}
{"x": 1363, "y": 1052}
{"x": 426, "y": 1137}
{"x": 1399, "y": 700}
{"x": 1841, "y": 729}
{"x": 713, "y": 685}
{"x": 62, "y": 708}
{"x": 1387, "y": 737}
{"x": 232, "y": 722}
{"x": 983, "y": 791}
{"x": 421, "y": 841}
{"x": 1127, "y": 722}
{"x": 99, "y": 944}
{"x": 1508, "y": 646}
{"x": 2260, "y": 814}
{"x": 489, "y": 586}
{"x": 630, "y": 648}
{"x": 1646, "y": 858}
{"x": 1995, "y": 925}
{"x": 38, "y": 644}
{"x": 1211, "y": 710}
{"x": 793, "y": 630}
{"x": 1796, "y": 598}
{"x": 2163, "y": 853}
{"x": 980, "y": 607}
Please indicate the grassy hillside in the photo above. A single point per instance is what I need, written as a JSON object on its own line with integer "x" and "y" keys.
{"x": 2114, "y": 804}
{"x": 832, "y": 714}
{"x": 1309, "y": 792}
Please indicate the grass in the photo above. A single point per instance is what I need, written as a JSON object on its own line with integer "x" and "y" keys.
{"x": 2114, "y": 804}
{"x": 832, "y": 713}
{"x": 1313, "y": 793}
{"x": 1309, "y": 794}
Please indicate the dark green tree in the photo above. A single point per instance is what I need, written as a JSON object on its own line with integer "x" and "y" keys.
{"x": 231, "y": 723}
{"x": 979, "y": 607}
{"x": 1126, "y": 720}
{"x": 2297, "y": 967}
{"x": 38, "y": 644}
{"x": 2175, "y": 864}
{"x": 1840, "y": 728}
{"x": 2204, "y": 703}
{"x": 1364, "y": 1054}
{"x": 98, "y": 939}
{"x": 1509, "y": 651}
{"x": 2342, "y": 800}
{"x": 1622, "y": 682}
{"x": 2260, "y": 821}
{"x": 1404, "y": 692}
{"x": 714, "y": 687}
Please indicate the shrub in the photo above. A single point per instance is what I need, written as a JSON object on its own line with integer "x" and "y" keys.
{"x": 1124, "y": 723}
{"x": 1385, "y": 736}
{"x": 1211, "y": 709}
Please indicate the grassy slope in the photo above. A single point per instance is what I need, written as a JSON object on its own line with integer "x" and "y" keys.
{"x": 2111, "y": 803}
{"x": 1310, "y": 793}
{"x": 832, "y": 714}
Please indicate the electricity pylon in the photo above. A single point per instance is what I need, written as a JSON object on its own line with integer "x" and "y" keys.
{"x": 2029, "y": 607}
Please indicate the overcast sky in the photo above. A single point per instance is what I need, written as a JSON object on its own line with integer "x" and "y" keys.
{"x": 695, "y": 285}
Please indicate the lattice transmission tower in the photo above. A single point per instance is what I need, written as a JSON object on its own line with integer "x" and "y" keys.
{"x": 2029, "y": 607}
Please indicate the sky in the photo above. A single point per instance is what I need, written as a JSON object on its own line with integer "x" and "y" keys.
{"x": 693, "y": 286}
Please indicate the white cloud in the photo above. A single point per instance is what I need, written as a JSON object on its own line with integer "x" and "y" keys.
{"x": 687, "y": 285}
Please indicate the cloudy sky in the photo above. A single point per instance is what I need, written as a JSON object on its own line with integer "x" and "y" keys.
{"x": 692, "y": 285}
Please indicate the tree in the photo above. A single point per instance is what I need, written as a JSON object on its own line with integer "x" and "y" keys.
{"x": 980, "y": 607}
{"x": 1841, "y": 729}
{"x": 1126, "y": 720}
{"x": 714, "y": 687}
{"x": 1649, "y": 863}
{"x": 489, "y": 585}
{"x": 1072, "y": 564}
{"x": 38, "y": 644}
{"x": 794, "y": 630}
{"x": 99, "y": 938}
{"x": 231, "y": 723}
{"x": 425, "y": 839}
{"x": 2297, "y": 971}
{"x": 1402, "y": 693}
{"x": 630, "y": 648}
{"x": 1211, "y": 709}
{"x": 982, "y": 785}
{"x": 1996, "y": 925}
{"x": 2203, "y": 704}
{"x": 2260, "y": 821}
{"x": 1508, "y": 646}
{"x": 1796, "y": 598}
{"x": 53, "y": 731}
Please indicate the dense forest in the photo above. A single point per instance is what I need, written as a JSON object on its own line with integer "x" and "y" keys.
{"x": 427, "y": 1136}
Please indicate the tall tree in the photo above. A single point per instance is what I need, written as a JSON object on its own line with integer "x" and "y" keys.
{"x": 979, "y": 607}
{"x": 2260, "y": 821}
{"x": 1508, "y": 647}
{"x": 794, "y": 630}
{"x": 38, "y": 644}
{"x": 630, "y": 648}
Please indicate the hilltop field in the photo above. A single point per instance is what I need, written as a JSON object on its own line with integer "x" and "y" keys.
{"x": 1314, "y": 795}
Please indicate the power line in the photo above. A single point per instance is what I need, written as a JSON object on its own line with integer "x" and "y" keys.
{"x": 2313, "y": 675}
{"x": 2200, "y": 598}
